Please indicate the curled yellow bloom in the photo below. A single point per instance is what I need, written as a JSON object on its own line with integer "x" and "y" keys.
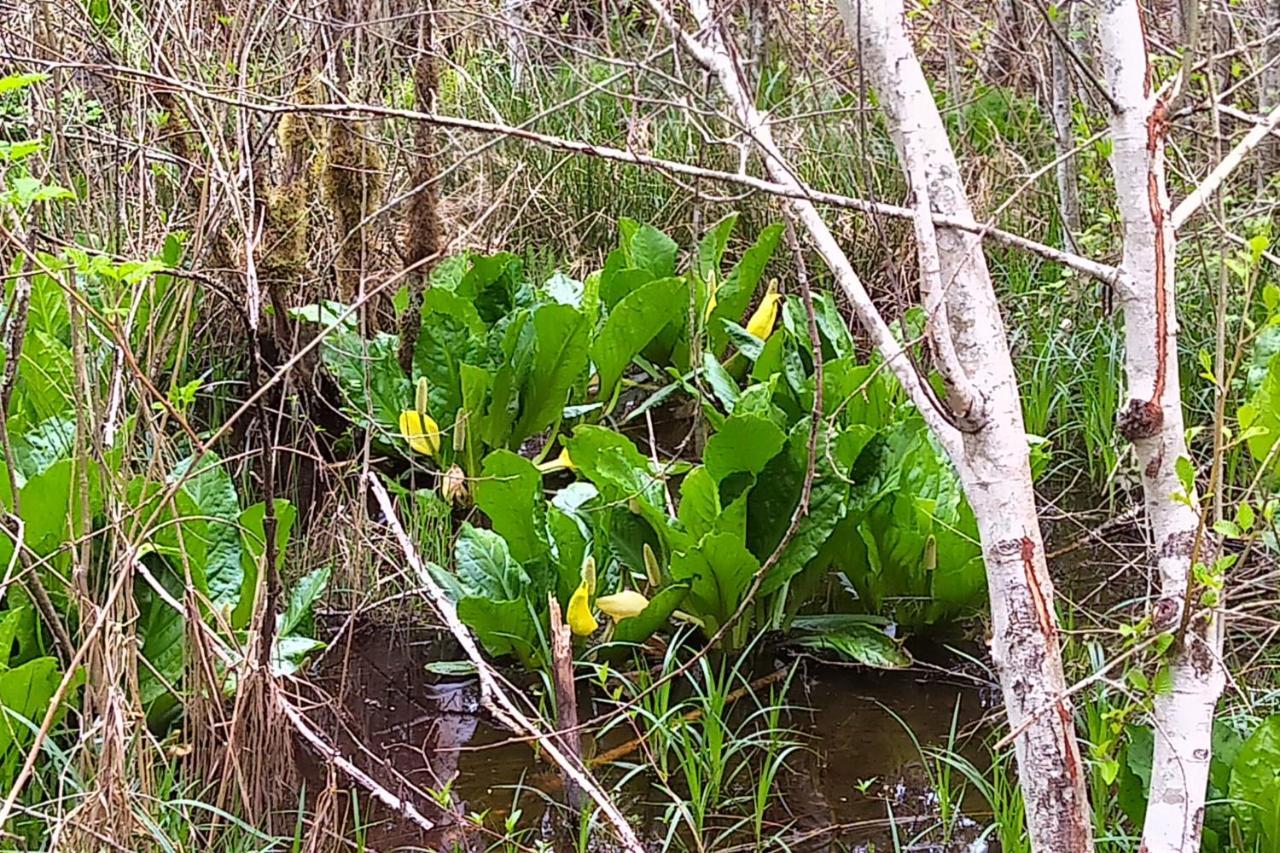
{"x": 766, "y": 313}
{"x": 581, "y": 622}
{"x": 422, "y": 433}
{"x": 560, "y": 463}
{"x": 622, "y": 605}
{"x": 711, "y": 306}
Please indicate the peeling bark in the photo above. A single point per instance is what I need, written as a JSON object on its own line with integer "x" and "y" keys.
{"x": 994, "y": 460}
{"x": 1152, "y": 419}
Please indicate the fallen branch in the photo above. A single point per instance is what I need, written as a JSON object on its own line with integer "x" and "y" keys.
{"x": 331, "y": 754}
{"x": 1214, "y": 179}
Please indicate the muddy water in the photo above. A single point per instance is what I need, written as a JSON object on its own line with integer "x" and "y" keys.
{"x": 415, "y": 732}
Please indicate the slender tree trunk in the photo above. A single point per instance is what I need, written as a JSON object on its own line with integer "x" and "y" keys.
{"x": 757, "y": 39}
{"x": 995, "y": 466}
{"x": 517, "y": 40}
{"x": 1006, "y": 50}
{"x": 1152, "y": 420}
{"x": 1064, "y": 136}
{"x": 1269, "y": 92}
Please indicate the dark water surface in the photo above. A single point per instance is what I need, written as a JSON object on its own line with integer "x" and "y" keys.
{"x": 861, "y": 733}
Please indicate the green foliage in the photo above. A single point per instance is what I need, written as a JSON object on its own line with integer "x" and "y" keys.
{"x": 1255, "y": 786}
{"x": 1260, "y": 416}
{"x": 857, "y": 639}
{"x": 884, "y": 509}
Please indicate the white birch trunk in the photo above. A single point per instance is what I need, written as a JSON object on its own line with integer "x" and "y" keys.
{"x": 1269, "y": 92}
{"x": 1152, "y": 420}
{"x": 757, "y": 38}
{"x": 517, "y": 40}
{"x": 1064, "y": 136}
{"x": 995, "y": 460}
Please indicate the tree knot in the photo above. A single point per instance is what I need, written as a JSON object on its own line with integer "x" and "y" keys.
{"x": 1140, "y": 419}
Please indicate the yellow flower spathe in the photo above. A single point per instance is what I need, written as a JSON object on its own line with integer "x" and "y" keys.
{"x": 560, "y": 463}
{"x": 711, "y": 306}
{"x": 622, "y": 605}
{"x": 422, "y": 433}
{"x": 581, "y": 622}
{"x": 766, "y": 313}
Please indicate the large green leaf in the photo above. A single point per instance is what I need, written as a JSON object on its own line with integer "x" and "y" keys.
{"x": 632, "y": 324}
{"x": 516, "y": 350}
{"x": 711, "y": 247}
{"x": 561, "y": 357}
{"x": 743, "y": 443}
{"x": 615, "y": 465}
{"x": 39, "y": 447}
{"x": 46, "y": 506}
{"x": 25, "y": 693}
{"x": 719, "y": 570}
{"x": 10, "y": 626}
{"x": 494, "y": 284}
{"x": 485, "y": 566}
{"x": 832, "y": 327}
{"x": 860, "y": 642}
{"x": 211, "y": 489}
{"x": 502, "y": 627}
{"x": 45, "y": 377}
{"x": 647, "y": 248}
{"x": 1255, "y": 785}
{"x": 175, "y": 528}
{"x": 570, "y": 544}
{"x": 253, "y": 542}
{"x": 1265, "y": 352}
{"x": 735, "y": 295}
{"x": 828, "y": 504}
{"x": 163, "y": 631}
{"x": 509, "y": 491}
{"x": 302, "y": 598}
{"x": 1260, "y": 417}
{"x": 373, "y": 385}
{"x": 699, "y": 502}
{"x": 451, "y": 337}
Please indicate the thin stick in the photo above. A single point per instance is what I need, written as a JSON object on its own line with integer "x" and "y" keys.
{"x": 792, "y": 189}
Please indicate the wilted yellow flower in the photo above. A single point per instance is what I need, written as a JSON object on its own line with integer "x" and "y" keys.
{"x": 622, "y": 605}
{"x": 560, "y": 463}
{"x": 766, "y": 313}
{"x": 453, "y": 487}
{"x": 422, "y": 433}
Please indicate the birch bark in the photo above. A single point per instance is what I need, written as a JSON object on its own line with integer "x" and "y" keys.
{"x": 995, "y": 462}
{"x": 513, "y": 19}
{"x": 1068, "y": 178}
{"x": 1152, "y": 420}
{"x": 1269, "y": 93}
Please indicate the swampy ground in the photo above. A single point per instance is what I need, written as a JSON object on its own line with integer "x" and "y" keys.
{"x": 356, "y": 356}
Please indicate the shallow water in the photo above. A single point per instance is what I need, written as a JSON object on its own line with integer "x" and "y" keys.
{"x": 861, "y": 732}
